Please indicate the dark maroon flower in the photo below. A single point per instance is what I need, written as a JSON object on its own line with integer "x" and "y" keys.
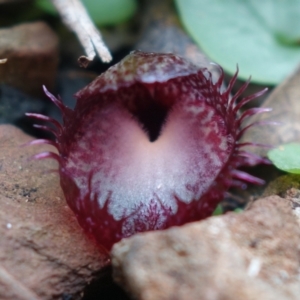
{"x": 151, "y": 143}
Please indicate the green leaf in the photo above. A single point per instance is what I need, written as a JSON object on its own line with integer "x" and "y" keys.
{"x": 110, "y": 12}
{"x": 103, "y": 12}
{"x": 218, "y": 211}
{"x": 286, "y": 157}
{"x": 46, "y": 6}
{"x": 286, "y": 24}
{"x": 262, "y": 37}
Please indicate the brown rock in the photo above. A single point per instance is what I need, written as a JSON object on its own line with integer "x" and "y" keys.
{"x": 32, "y": 57}
{"x": 251, "y": 255}
{"x": 44, "y": 254}
{"x": 284, "y": 101}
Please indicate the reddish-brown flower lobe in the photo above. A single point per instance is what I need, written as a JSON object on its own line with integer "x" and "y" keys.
{"x": 151, "y": 143}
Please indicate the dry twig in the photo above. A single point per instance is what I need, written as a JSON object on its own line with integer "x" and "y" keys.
{"x": 78, "y": 20}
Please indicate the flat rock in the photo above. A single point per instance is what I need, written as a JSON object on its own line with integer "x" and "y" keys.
{"x": 285, "y": 104}
{"x": 31, "y": 51}
{"x": 44, "y": 254}
{"x": 251, "y": 255}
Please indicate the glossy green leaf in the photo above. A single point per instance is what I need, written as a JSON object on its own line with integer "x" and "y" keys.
{"x": 262, "y": 37}
{"x": 103, "y": 12}
{"x": 286, "y": 157}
